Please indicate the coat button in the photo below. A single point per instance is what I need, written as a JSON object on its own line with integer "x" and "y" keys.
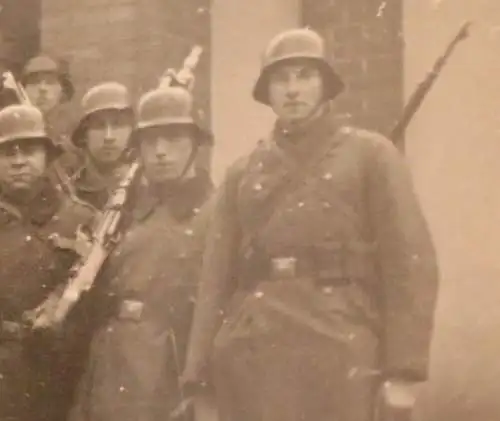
{"x": 327, "y": 176}
{"x": 328, "y": 290}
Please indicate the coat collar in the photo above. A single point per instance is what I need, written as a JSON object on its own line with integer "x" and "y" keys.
{"x": 181, "y": 199}
{"x": 90, "y": 179}
{"x": 305, "y": 140}
{"x": 40, "y": 210}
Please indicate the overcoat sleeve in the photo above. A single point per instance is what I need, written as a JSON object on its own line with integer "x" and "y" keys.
{"x": 407, "y": 264}
{"x": 216, "y": 276}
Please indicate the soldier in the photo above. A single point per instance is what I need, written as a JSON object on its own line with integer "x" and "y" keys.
{"x": 137, "y": 354}
{"x": 38, "y": 369}
{"x": 47, "y": 83}
{"x": 103, "y": 133}
{"x": 318, "y": 260}
{"x": 49, "y": 87}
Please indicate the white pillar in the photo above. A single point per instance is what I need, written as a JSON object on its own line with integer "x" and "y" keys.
{"x": 240, "y": 31}
{"x": 454, "y": 148}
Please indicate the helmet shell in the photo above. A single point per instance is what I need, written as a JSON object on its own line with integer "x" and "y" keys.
{"x": 291, "y": 45}
{"x": 46, "y": 64}
{"x": 105, "y": 96}
{"x": 21, "y": 122}
{"x": 167, "y": 107}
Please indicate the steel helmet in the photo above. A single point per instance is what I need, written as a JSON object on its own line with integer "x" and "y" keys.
{"x": 291, "y": 45}
{"x": 20, "y": 122}
{"x": 47, "y": 64}
{"x": 105, "y": 96}
{"x": 168, "y": 106}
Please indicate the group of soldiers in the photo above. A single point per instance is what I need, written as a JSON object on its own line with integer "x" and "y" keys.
{"x": 301, "y": 289}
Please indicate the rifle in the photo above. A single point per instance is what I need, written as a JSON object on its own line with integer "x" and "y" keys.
{"x": 392, "y": 404}
{"x": 9, "y": 82}
{"x": 423, "y": 88}
{"x": 94, "y": 249}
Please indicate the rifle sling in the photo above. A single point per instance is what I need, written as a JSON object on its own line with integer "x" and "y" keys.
{"x": 289, "y": 183}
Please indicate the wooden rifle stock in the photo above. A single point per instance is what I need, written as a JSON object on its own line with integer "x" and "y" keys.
{"x": 95, "y": 248}
{"x": 423, "y": 88}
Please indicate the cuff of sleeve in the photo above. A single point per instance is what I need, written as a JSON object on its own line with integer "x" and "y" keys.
{"x": 406, "y": 375}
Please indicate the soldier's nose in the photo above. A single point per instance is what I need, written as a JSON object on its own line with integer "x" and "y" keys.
{"x": 18, "y": 159}
{"x": 43, "y": 86}
{"x": 109, "y": 136}
{"x": 292, "y": 93}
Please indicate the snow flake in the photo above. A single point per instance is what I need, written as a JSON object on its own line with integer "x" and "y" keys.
{"x": 327, "y": 290}
{"x": 257, "y": 187}
{"x": 352, "y": 372}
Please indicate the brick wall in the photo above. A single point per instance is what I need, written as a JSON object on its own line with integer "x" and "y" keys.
{"x": 19, "y": 31}
{"x": 130, "y": 41}
{"x": 364, "y": 39}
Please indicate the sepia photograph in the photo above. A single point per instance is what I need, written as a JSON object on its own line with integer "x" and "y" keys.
{"x": 249, "y": 210}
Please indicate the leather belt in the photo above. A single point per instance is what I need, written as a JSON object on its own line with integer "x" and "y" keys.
{"x": 290, "y": 267}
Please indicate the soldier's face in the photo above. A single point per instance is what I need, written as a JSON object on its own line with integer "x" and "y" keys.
{"x": 295, "y": 91}
{"x": 44, "y": 90}
{"x": 166, "y": 153}
{"x": 107, "y": 136}
{"x": 22, "y": 164}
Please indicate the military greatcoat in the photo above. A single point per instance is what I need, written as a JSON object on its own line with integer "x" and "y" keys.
{"x": 318, "y": 281}
{"x": 94, "y": 187}
{"x": 38, "y": 370}
{"x": 138, "y": 352}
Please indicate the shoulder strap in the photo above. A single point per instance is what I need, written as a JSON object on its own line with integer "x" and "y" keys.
{"x": 288, "y": 184}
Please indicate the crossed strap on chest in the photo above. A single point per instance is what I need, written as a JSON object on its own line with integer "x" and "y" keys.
{"x": 289, "y": 183}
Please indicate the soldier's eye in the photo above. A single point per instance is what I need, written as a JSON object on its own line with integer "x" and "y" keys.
{"x": 29, "y": 149}
{"x": 306, "y": 73}
{"x": 8, "y": 150}
{"x": 279, "y": 77}
{"x": 97, "y": 124}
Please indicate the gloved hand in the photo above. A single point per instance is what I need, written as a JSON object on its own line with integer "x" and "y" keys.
{"x": 396, "y": 400}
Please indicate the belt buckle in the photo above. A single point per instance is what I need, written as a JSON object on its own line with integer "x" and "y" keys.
{"x": 283, "y": 267}
{"x": 131, "y": 310}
